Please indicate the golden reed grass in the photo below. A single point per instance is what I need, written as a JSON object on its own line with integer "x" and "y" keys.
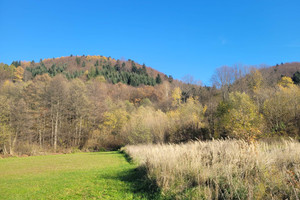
{"x": 222, "y": 169}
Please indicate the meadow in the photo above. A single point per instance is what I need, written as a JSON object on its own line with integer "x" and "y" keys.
{"x": 222, "y": 169}
{"x": 103, "y": 175}
{"x": 219, "y": 169}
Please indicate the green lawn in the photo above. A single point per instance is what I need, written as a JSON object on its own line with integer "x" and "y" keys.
{"x": 105, "y": 175}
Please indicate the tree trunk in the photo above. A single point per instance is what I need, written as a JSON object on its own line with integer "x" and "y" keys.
{"x": 12, "y": 147}
{"x": 52, "y": 126}
{"x": 9, "y": 138}
{"x": 40, "y": 138}
{"x": 80, "y": 126}
{"x": 55, "y": 132}
{"x": 44, "y": 129}
{"x": 4, "y": 149}
{"x": 75, "y": 137}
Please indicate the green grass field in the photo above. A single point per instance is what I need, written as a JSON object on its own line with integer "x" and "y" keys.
{"x": 105, "y": 175}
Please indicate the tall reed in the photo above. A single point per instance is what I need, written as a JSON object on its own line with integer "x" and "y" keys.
{"x": 222, "y": 169}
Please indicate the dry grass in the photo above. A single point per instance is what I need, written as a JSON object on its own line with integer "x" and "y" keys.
{"x": 229, "y": 169}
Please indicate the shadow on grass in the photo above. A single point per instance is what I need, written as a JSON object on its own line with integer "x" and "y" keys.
{"x": 127, "y": 157}
{"x": 140, "y": 184}
{"x": 137, "y": 181}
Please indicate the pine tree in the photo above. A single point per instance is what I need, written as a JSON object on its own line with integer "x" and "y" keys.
{"x": 158, "y": 79}
{"x": 83, "y": 64}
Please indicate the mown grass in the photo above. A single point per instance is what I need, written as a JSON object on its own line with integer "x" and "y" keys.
{"x": 105, "y": 175}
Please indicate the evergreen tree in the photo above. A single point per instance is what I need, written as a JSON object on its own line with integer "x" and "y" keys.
{"x": 123, "y": 66}
{"x": 170, "y": 78}
{"x": 78, "y": 60}
{"x": 134, "y": 68}
{"x": 158, "y": 79}
{"x": 296, "y": 78}
{"x": 16, "y": 63}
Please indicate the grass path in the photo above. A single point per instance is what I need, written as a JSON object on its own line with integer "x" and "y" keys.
{"x": 105, "y": 175}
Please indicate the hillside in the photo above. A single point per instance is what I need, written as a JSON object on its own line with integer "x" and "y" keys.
{"x": 88, "y": 67}
{"x": 93, "y": 102}
{"x": 246, "y": 78}
{"x": 273, "y": 74}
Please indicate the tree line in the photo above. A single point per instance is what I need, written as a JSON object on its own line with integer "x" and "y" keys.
{"x": 54, "y": 113}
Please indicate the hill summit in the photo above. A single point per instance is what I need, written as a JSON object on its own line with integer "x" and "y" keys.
{"x": 88, "y": 67}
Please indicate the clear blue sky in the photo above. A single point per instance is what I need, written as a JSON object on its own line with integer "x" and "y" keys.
{"x": 174, "y": 37}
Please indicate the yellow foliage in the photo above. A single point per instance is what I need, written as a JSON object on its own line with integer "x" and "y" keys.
{"x": 18, "y": 74}
{"x": 242, "y": 119}
{"x": 204, "y": 109}
{"x": 176, "y": 96}
{"x": 189, "y": 114}
{"x": 173, "y": 114}
{"x": 11, "y": 69}
{"x": 286, "y": 82}
{"x": 282, "y": 108}
{"x": 146, "y": 125}
{"x": 115, "y": 120}
{"x": 7, "y": 83}
{"x": 101, "y": 79}
{"x": 89, "y": 58}
{"x": 255, "y": 80}
{"x": 47, "y": 59}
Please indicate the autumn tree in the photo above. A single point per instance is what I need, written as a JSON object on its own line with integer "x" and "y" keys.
{"x": 239, "y": 117}
{"x": 78, "y": 108}
{"x": 176, "y": 96}
{"x": 186, "y": 121}
{"x": 113, "y": 122}
{"x": 146, "y": 125}
{"x": 35, "y": 95}
{"x": 5, "y": 127}
{"x": 282, "y": 109}
{"x": 55, "y": 105}
{"x": 18, "y": 113}
{"x": 286, "y": 82}
{"x": 6, "y": 72}
{"x": 57, "y": 97}
{"x": 255, "y": 80}
{"x": 222, "y": 78}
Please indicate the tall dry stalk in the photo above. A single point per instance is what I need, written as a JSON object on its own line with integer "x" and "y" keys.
{"x": 222, "y": 169}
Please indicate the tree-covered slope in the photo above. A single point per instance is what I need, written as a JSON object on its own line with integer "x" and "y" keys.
{"x": 88, "y": 67}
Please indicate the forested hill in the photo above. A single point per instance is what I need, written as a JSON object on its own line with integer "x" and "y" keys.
{"x": 243, "y": 78}
{"x": 88, "y": 67}
{"x": 273, "y": 74}
{"x": 95, "y": 102}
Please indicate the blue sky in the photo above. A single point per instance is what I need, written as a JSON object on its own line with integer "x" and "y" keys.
{"x": 174, "y": 37}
